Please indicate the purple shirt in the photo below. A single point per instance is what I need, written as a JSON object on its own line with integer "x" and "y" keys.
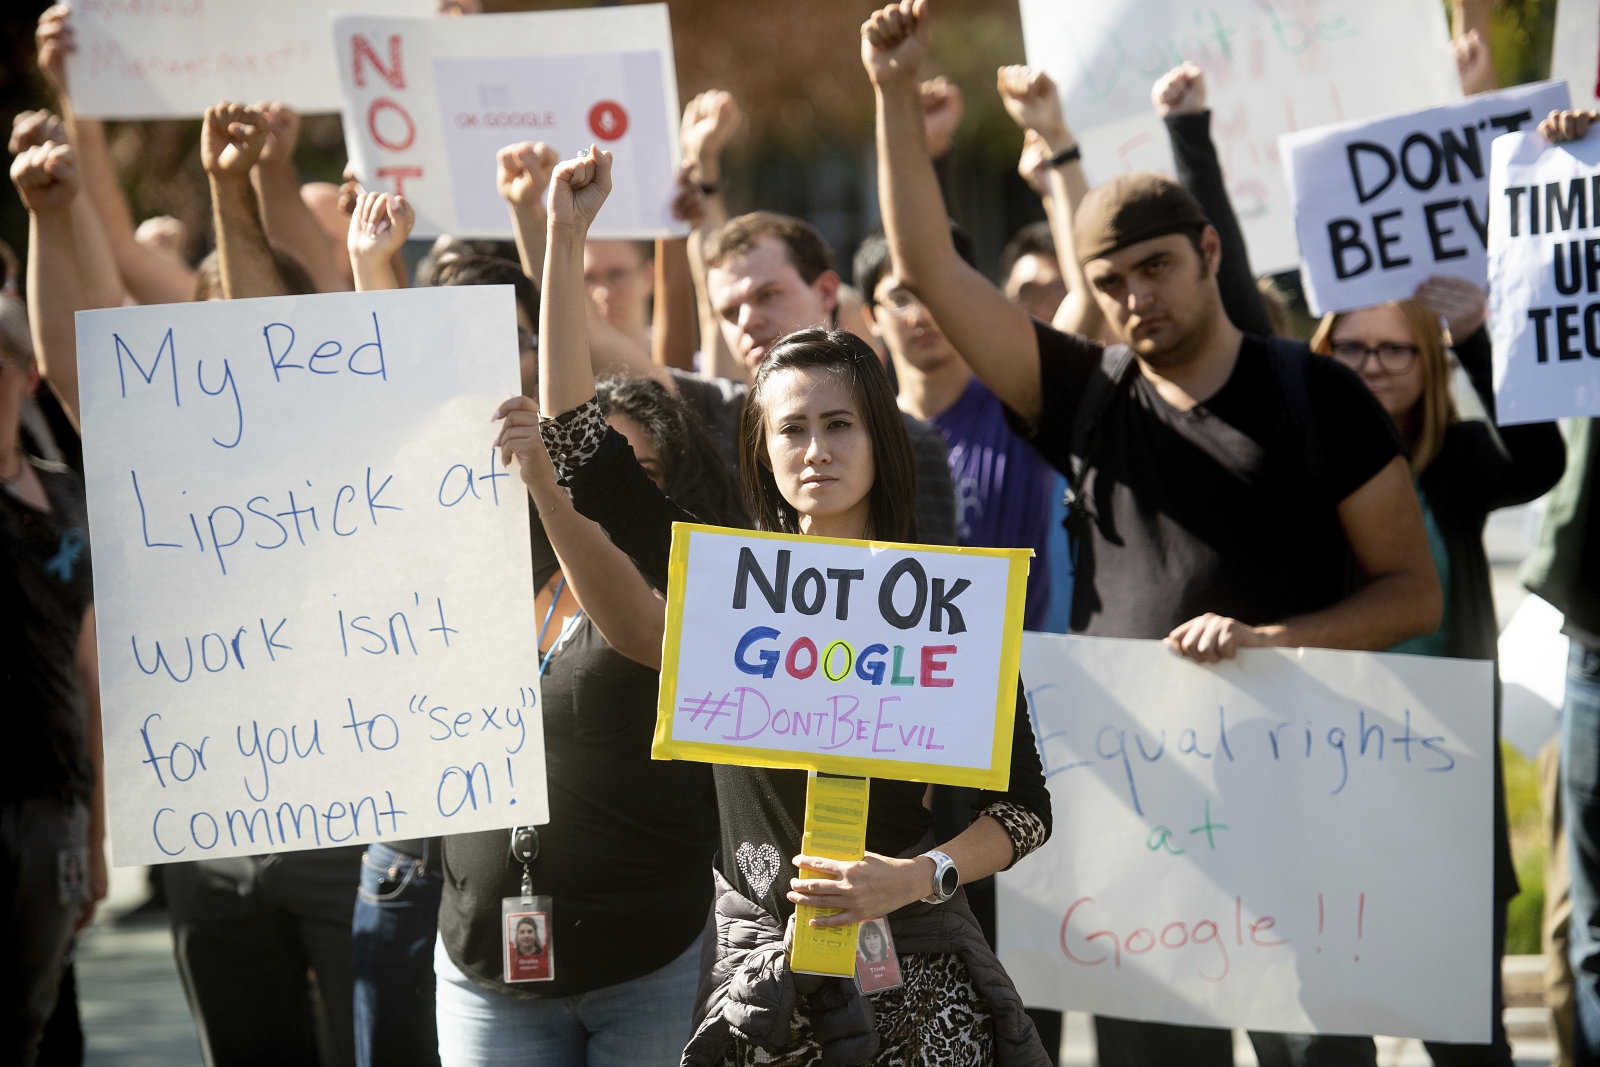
{"x": 1002, "y": 488}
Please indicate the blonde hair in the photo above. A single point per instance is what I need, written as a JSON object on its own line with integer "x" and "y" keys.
{"x": 1424, "y": 433}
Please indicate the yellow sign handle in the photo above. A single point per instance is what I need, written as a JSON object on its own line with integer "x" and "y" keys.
{"x": 835, "y": 828}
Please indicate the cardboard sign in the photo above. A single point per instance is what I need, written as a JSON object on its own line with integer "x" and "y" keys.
{"x": 846, "y": 657}
{"x": 428, "y": 103}
{"x": 1297, "y": 840}
{"x": 1544, "y": 277}
{"x": 312, "y": 575}
{"x": 1270, "y": 69}
{"x": 1380, "y": 206}
{"x": 1575, "y": 52}
{"x": 176, "y": 58}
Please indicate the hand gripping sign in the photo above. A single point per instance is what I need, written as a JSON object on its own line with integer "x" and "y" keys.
{"x": 428, "y": 103}
{"x": 843, "y": 657}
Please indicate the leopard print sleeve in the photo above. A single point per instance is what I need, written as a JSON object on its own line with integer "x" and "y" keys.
{"x": 573, "y": 437}
{"x": 1025, "y": 828}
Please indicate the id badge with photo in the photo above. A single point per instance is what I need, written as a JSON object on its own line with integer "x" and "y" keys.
{"x": 525, "y": 936}
{"x": 877, "y": 966}
{"x": 72, "y": 874}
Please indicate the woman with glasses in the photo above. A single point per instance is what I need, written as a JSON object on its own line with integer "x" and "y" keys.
{"x": 1464, "y": 469}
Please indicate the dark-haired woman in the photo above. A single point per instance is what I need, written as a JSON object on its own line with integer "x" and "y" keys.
{"x": 822, "y": 452}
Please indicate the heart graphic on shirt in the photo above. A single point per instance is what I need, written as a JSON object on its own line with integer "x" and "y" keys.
{"x": 758, "y": 865}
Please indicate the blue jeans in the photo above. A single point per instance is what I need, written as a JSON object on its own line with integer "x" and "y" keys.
{"x": 393, "y": 930}
{"x": 631, "y": 1024}
{"x": 1580, "y": 797}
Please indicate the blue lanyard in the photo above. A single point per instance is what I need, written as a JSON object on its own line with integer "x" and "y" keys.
{"x": 566, "y": 630}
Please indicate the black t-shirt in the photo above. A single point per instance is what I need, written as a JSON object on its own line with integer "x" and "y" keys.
{"x": 45, "y": 588}
{"x": 625, "y": 855}
{"x": 1217, "y": 508}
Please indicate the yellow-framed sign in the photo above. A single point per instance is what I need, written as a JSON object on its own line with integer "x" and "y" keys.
{"x": 847, "y": 657}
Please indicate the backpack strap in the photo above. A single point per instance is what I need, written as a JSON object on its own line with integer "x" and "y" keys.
{"x": 1104, "y": 383}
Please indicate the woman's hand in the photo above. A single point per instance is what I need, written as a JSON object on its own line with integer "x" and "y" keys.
{"x": 1461, "y": 304}
{"x": 519, "y": 438}
{"x": 868, "y": 888}
{"x": 578, "y": 188}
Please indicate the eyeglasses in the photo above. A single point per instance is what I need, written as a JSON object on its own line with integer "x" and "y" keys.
{"x": 1393, "y": 357}
{"x": 899, "y": 302}
{"x": 527, "y": 340}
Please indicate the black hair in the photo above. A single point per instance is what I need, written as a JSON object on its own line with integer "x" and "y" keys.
{"x": 872, "y": 260}
{"x": 695, "y": 476}
{"x": 490, "y": 270}
{"x": 892, "y": 498}
{"x": 1034, "y": 239}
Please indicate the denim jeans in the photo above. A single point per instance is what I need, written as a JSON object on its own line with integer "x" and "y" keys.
{"x": 1580, "y": 798}
{"x": 393, "y": 930}
{"x": 638, "y": 1023}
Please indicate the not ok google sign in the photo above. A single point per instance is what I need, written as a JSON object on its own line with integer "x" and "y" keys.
{"x": 851, "y": 657}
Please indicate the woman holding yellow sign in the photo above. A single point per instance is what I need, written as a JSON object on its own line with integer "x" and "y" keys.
{"x": 823, "y": 453}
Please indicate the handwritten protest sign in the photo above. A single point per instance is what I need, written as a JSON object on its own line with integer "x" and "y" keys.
{"x": 427, "y": 103}
{"x": 1270, "y": 68}
{"x": 1544, "y": 273}
{"x": 1379, "y": 206}
{"x": 1575, "y": 52}
{"x": 312, "y": 576}
{"x": 176, "y": 58}
{"x": 1297, "y": 840}
{"x": 851, "y": 657}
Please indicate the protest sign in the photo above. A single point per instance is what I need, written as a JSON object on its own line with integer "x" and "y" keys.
{"x": 312, "y": 575}
{"x": 1575, "y": 52}
{"x": 175, "y": 58}
{"x": 1299, "y": 839}
{"x": 1270, "y": 69}
{"x": 428, "y": 103}
{"x": 850, "y": 657}
{"x": 1544, "y": 277}
{"x": 1380, "y": 206}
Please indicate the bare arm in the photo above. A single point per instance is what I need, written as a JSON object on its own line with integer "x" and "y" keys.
{"x": 708, "y": 122}
{"x": 231, "y": 139}
{"x": 522, "y": 176}
{"x": 627, "y": 611}
{"x": 46, "y": 180}
{"x": 992, "y": 334}
{"x": 675, "y": 313}
{"x": 87, "y": 662}
{"x": 287, "y": 221}
{"x": 1399, "y": 598}
{"x": 102, "y": 286}
{"x": 566, "y": 375}
{"x": 150, "y": 277}
{"x": 1469, "y": 31}
{"x": 379, "y": 225}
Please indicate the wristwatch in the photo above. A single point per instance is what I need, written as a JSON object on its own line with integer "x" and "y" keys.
{"x": 945, "y": 877}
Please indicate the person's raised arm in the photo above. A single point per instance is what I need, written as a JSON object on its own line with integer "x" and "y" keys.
{"x": 47, "y": 180}
{"x": 674, "y": 312}
{"x": 522, "y": 176}
{"x": 610, "y": 590}
{"x": 1179, "y": 97}
{"x": 1399, "y": 598}
{"x": 1469, "y": 37}
{"x": 231, "y": 138}
{"x": 992, "y": 334}
{"x": 287, "y": 221}
{"x": 102, "y": 285}
{"x": 1033, "y": 102}
{"x": 577, "y": 189}
{"x": 379, "y": 225}
{"x": 708, "y": 121}
{"x": 151, "y": 278}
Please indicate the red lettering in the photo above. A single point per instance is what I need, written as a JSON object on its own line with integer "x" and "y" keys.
{"x": 931, "y": 666}
{"x": 790, "y": 661}
{"x": 383, "y": 103}
{"x": 1067, "y": 952}
{"x": 1266, "y": 922}
{"x": 1183, "y": 932}
{"x": 399, "y": 174}
{"x": 361, "y": 48}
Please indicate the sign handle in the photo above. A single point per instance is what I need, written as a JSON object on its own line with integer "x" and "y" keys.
{"x": 835, "y": 828}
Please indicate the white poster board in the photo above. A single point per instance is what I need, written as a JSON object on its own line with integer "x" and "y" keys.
{"x": 312, "y": 575}
{"x": 1271, "y": 69}
{"x": 1297, "y": 840}
{"x": 1379, "y": 206}
{"x": 177, "y": 58}
{"x": 1575, "y": 51}
{"x": 1544, "y": 277}
{"x": 428, "y": 103}
{"x": 851, "y": 657}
